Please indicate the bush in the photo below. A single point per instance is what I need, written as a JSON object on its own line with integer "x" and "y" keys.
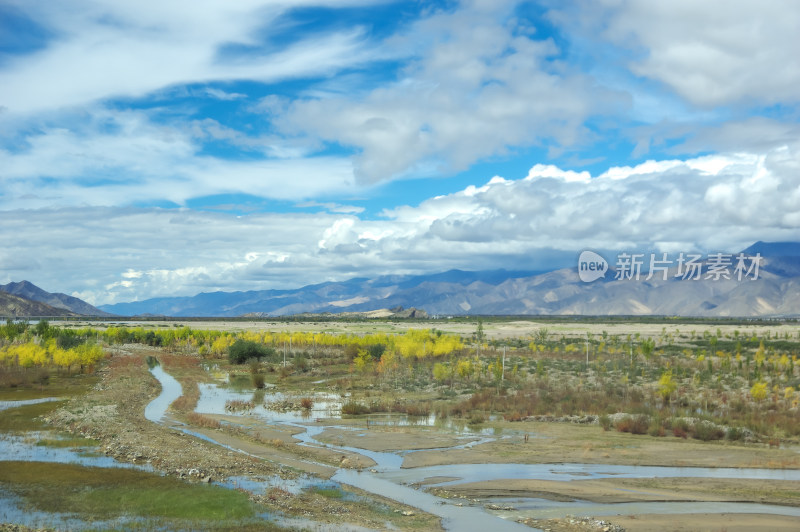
{"x": 351, "y": 408}
{"x": 258, "y": 381}
{"x": 605, "y": 422}
{"x": 242, "y": 350}
{"x": 680, "y": 428}
{"x": 301, "y": 363}
{"x": 734, "y": 434}
{"x": 707, "y": 431}
{"x": 476, "y": 418}
{"x": 634, "y": 424}
{"x": 306, "y": 403}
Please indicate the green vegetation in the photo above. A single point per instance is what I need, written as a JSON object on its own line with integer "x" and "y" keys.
{"x": 330, "y": 493}
{"x": 26, "y": 418}
{"x": 102, "y": 493}
{"x": 241, "y": 351}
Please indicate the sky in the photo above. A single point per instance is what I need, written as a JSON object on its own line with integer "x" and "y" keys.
{"x": 165, "y": 148}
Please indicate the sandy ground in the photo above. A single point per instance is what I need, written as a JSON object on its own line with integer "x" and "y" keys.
{"x": 522, "y": 328}
{"x": 282, "y": 449}
{"x": 707, "y": 522}
{"x": 616, "y": 490}
{"x": 392, "y": 439}
{"x": 566, "y": 442}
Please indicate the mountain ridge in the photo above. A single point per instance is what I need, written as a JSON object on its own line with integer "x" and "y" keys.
{"x": 776, "y": 292}
{"x": 31, "y": 292}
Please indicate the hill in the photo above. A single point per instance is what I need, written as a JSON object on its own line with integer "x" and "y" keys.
{"x": 12, "y": 306}
{"x": 30, "y": 291}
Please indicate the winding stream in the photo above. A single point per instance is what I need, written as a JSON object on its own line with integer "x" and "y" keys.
{"x": 389, "y": 479}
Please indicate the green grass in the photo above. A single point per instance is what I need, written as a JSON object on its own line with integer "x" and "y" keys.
{"x": 330, "y": 493}
{"x": 25, "y": 418}
{"x": 59, "y": 386}
{"x": 106, "y": 493}
{"x": 67, "y": 442}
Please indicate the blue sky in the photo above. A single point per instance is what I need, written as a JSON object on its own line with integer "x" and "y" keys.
{"x": 168, "y": 148}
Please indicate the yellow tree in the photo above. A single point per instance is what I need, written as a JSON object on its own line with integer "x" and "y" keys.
{"x": 666, "y": 385}
{"x": 759, "y": 391}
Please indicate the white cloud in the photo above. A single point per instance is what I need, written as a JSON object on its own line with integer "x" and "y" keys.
{"x": 105, "y": 49}
{"x": 719, "y": 203}
{"x": 123, "y": 157}
{"x": 477, "y": 88}
{"x": 717, "y": 52}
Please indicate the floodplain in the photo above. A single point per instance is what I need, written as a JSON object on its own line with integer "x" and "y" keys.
{"x": 565, "y": 424}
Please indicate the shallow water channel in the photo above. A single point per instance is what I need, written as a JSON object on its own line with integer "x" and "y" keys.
{"x": 389, "y": 479}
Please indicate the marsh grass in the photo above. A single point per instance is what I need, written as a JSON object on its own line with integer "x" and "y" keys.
{"x": 58, "y": 385}
{"x": 330, "y": 493}
{"x": 26, "y": 418}
{"x": 105, "y": 493}
{"x": 68, "y": 442}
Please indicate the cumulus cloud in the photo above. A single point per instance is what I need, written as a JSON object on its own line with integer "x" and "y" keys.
{"x": 713, "y": 203}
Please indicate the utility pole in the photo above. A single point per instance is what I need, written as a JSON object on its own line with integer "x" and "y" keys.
{"x": 587, "y": 349}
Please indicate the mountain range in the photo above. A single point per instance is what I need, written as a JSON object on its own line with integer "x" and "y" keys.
{"x": 27, "y": 299}
{"x": 772, "y": 290}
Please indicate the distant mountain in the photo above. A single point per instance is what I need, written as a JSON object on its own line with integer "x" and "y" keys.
{"x": 774, "y": 249}
{"x": 71, "y": 304}
{"x": 353, "y": 295}
{"x": 12, "y": 306}
{"x": 776, "y": 292}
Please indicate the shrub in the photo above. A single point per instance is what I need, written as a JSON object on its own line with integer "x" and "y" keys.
{"x": 306, "y": 403}
{"x": 605, "y": 422}
{"x": 418, "y": 409}
{"x": 300, "y": 363}
{"x": 199, "y": 420}
{"x": 734, "y": 434}
{"x": 707, "y": 431}
{"x": 657, "y": 430}
{"x": 351, "y": 408}
{"x": 633, "y": 424}
{"x": 242, "y": 350}
{"x": 258, "y": 380}
{"x": 476, "y": 418}
{"x": 680, "y": 428}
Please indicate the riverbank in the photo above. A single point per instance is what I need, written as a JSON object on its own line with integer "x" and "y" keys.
{"x": 215, "y": 447}
{"x": 113, "y": 414}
